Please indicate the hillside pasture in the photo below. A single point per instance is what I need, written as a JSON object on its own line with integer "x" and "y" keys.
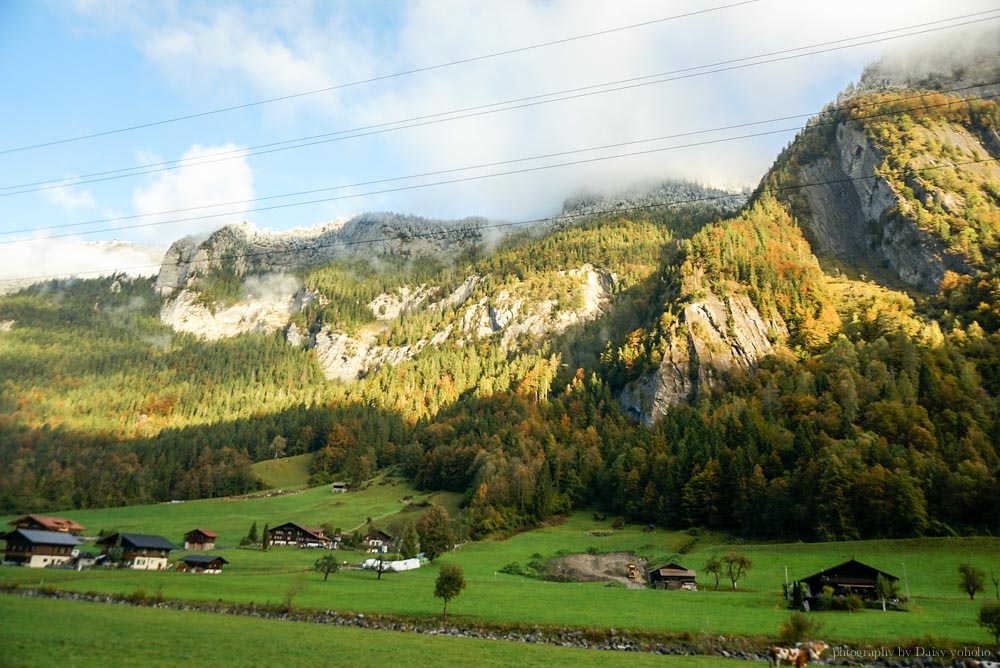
{"x": 284, "y": 472}
{"x": 756, "y": 609}
{"x": 155, "y": 637}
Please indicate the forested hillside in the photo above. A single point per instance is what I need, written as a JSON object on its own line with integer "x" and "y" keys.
{"x": 820, "y": 364}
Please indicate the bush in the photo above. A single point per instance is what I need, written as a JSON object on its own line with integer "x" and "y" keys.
{"x": 513, "y": 568}
{"x": 799, "y": 627}
{"x": 849, "y": 603}
{"x": 619, "y": 523}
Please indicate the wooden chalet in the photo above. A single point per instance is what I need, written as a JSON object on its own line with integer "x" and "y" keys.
{"x": 850, "y": 577}
{"x": 672, "y": 576}
{"x": 45, "y": 523}
{"x": 378, "y": 540}
{"x": 38, "y": 549}
{"x": 291, "y": 533}
{"x": 200, "y": 539}
{"x": 138, "y": 551}
{"x": 338, "y": 487}
{"x": 202, "y": 563}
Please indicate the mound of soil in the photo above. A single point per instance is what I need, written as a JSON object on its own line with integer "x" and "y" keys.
{"x": 606, "y": 567}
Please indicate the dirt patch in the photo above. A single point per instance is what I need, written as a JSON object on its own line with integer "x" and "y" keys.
{"x": 606, "y": 567}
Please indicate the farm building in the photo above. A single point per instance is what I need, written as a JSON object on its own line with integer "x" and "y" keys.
{"x": 138, "y": 551}
{"x": 672, "y": 576}
{"x": 338, "y": 487}
{"x": 38, "y": 549}
{"x": 202, "y": 563}
{"x": 44, "y": 523}
{"x": 200, "y": 539}
{"x": 850, "y": 577}
{"x": 291, "y": 533}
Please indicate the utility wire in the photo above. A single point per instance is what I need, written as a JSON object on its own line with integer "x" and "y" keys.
{"x": 495, "y": 174}
{"x": 378, "y": 78}
{"x": 481, "y": 110}
{"x": 472, "y": 229}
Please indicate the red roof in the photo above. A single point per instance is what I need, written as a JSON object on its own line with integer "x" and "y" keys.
{"x": 204, "y": 532}
{"x": 50, "y": 523}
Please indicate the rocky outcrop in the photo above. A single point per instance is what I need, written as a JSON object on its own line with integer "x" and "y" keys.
{"x": 856, "y": 215}
{"x": 261, "y": 313}
{"x": 713, "y": 336}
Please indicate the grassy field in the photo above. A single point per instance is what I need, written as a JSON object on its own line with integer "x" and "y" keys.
{"x": 381, "y": 500}
{"x": 939, "y": 608}
{"x": 285, "y": 472}
{"x": 100, "y": 635}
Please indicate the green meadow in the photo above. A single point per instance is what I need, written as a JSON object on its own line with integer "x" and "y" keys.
{"x": 284, "y": 472}
{"x": 100, "y": 635}
{"x": 938, "y": 608}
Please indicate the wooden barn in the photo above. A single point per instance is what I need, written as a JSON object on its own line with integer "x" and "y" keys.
{"x": 208, "y": 564}
{"x": 138, "y": 551}
{"x": 850, "y": 577}
{"x": 291, "y": 533}
{"x": 339, "y": 487}
{"x": 38, "y": 549}
{"x": 672, "y": 576}
{"x": 200, "y": 539}
{"x": 45, "y": 523}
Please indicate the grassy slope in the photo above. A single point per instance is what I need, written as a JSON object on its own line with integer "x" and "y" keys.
{"x": 285, "y": 472}
{"x": 151, "y": 637}
{"x": 231, "y": 518}
{"x": 757, "y": 609}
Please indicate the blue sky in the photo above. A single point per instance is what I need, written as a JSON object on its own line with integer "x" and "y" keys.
{"x": 75, "y": 68}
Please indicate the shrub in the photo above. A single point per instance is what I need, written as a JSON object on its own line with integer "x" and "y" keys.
{"x": 138, "y": 596}
{"x": 513, "y": 568}
{"x": 799, "y": 626}
{"x": 619, "y": 523}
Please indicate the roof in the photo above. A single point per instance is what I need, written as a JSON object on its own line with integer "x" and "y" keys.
{"x": 51, "y": 523}
{"x": 849, "y": 565}
{"x": 46, "y": 537}
{"x": 378, "y": 533}
{"x": 314, "y": 532}
{"x": 204, "y": 532}
{"x": 139, "y": 540}
{"x": 201, "y": 559}
{"x": 674, "y": 570}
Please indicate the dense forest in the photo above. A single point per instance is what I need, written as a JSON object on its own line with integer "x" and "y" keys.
{"x": 876, "y": 415}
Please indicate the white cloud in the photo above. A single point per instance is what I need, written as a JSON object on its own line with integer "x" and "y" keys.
{"x": 71, "y": 202}
{"x": 31, "y": 260}
{"x": 199, "y": 183}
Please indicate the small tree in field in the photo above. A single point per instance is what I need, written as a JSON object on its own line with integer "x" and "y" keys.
{"x": 435, "y": 532}
{"x": 736, "y": 566}
{"x": 450, "y": 583}
{"x": 989, "y": 619}
{"x": 326, "y": 565}
{"x": 886, "y": 588}
{"x": 714, "y": 566}
{"x": 970, "y": 579}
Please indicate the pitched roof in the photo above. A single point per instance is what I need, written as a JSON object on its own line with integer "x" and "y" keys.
{"x": 674, "y": 570}
{"x": 204, "y": 532}
{"x": 201, "y": 559}
{"x": 314, "y": 532}
{"x": 51, "y": 523}
{"x": 850, "y": 564}
{"x": 46, "y": 537}
{"x": 139, "y": 540}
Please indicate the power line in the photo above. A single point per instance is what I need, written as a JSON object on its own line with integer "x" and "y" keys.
{"x": 383, "y": 77}
{"x": 505, "y": 162}
{"x": 459, "y": 230}
{"x": 481, "y": 110}
{"x": 495, "y": 174}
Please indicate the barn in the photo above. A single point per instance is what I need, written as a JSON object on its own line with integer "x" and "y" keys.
{"x": 850, "y": 577}
{"x": 672, "y": 576}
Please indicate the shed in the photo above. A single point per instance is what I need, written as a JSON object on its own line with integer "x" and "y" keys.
{"x": 672, "y": 576}
{"x": 200, "y": 539}
{"x": 202, "y": 563}
{"x": 338, "y": 487}
{"x": 850, "y": 577}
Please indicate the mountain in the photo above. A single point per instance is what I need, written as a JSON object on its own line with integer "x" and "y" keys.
{"x": 816, "y": 359}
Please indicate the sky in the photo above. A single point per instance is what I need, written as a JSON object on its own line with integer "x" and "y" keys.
{"x": 76, "y": 68}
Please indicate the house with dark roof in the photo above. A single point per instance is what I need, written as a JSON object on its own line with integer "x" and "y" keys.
{"x": 291, "y": 533}
{"x": 138, "y": 551}
{"x": 38, "y": 549}
{"x": 378, "y": 541}
{"x": 850, "y": 577}
{"x": 202, "y": 563}
{"x": 672, "y": 576}
{"x": 45, "y": 523}
{"x": 200, "y": 539}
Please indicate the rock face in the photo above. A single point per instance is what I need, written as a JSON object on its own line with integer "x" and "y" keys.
{"x": 855, "y": 215}
{"x": 713, "y": 336}
{"x": 259, "y": 314}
